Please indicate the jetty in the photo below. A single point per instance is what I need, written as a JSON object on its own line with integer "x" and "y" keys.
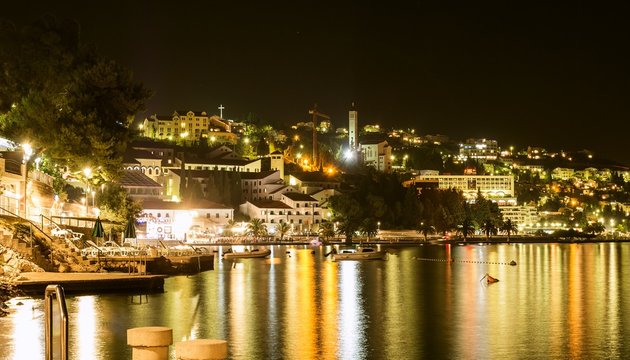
{"x": 88, "y": 283}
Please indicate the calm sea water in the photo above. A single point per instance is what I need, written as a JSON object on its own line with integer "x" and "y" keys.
{"x": 562, "y": 301}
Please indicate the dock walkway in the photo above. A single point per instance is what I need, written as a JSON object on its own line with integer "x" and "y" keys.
{"x": 86, "y": 283}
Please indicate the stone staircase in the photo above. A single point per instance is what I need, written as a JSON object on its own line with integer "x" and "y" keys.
{"x": 50, "y": 253}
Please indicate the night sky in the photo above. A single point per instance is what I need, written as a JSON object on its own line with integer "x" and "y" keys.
{"x": 551, "y": 75}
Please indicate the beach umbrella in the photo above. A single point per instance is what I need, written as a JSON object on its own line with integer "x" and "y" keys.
{"x": 98, "y": 231}
{"x": 130, "y": 230}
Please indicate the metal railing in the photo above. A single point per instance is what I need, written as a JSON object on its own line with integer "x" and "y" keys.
{"x": 56, "y": 292}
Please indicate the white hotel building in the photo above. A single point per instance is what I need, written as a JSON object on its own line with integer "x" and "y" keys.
{"x": 491, "y": 186}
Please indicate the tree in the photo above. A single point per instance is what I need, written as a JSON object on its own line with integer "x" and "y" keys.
{"x": 489, "y": 228}
{"x": 327, "y": 230}
{"x": 595, "y": 228}
{"x": 466, "y": 228}
{"x": 508, "y": 228}
{"x": 63, "y": 99}
{"x": 348, "y": 212}
{"x": 116, "y": 205}
{"x": 256, "y": 228}
{"x": 281, "y": 229}
{"x": 368, "y": 227}
{"x": 425, "y": 228}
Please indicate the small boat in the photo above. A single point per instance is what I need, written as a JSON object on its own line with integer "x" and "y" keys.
{"x": 246, "y": 253}
{"x": 361, "y": 253}
{"x": 489, "y": 279}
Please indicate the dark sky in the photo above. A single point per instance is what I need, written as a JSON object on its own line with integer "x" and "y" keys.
{"x": 554, "y": 74}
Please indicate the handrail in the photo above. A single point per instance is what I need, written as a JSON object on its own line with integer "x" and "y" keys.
{"x": 58, "y": 293}
{"x": 30, "y": 222}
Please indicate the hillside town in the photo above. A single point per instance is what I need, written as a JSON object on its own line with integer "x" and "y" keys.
{"x": 195, "y": 175}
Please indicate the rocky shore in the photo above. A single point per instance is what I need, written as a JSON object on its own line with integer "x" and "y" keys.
{"x": 12, "y": 264}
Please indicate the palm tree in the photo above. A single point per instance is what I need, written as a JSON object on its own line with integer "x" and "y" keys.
{"x": 327, "y": 230}
{"x": 425, "y": 228}
{"x": 256, "y": 228}
{"x": 508, "y": 227}
{"x": 282, "y": 229}
{"x": 369, "y": 227}
{"x": 466, "y": 228}
{"x": 227, "y": 230}
{"x": 489, "y": 228}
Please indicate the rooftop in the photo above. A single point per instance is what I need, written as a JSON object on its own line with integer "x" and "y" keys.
{"x": 295, "y": 196}
{"x": 269, "y": 204}
{"x": 135, "y": 178}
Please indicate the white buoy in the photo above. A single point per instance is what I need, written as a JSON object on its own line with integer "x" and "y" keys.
{"x": 150, "y": 343}
{"x": 201, "y": 349}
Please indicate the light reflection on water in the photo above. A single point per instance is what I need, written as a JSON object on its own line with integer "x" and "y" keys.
{"x": 561, "y": 301}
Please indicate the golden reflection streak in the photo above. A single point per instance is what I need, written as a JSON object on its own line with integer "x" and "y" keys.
{"x": 351, "y": 334}
{"x": 556, "y": 295}
{"x": 395, "y": 305}
{"x": 329, "y": 304}
{"x": 239, "y": 315}
{"x": 28, "y": 331}
{"x": 85, "y": 325}
{"x": 301, "y": 305}
{"x": 468, "y": 323}
{"x": 612, "y": 301}
{"x": 574, "y": 308}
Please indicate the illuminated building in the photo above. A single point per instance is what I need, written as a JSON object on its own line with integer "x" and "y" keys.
{"x": 218, "y": 158}
{"x": 524, "y": 216}
{"x": 479, "y": 149}
{"x": 562, "y": 173}
{"x": 262, "y": 185}
{"x": 313, "y": 182}
{"x": 190, "y": 125}
{"x": 536, "y": 153}
{"x": 143, "y": 161}
{"x": 171, "y": 220}
{"x": 300, "y": 210}
{"x": 377, "y": 154}
{"x": 140, "y": 186}
{"x": 27, "y": 194}
{"x": 276, "y": 160}
{"x": 491, "y": 186}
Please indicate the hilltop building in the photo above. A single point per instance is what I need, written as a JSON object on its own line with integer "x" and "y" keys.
{"x": 192, "y": 125}
{"x": 479, "y": 149}
{"x": 377, "y": 154}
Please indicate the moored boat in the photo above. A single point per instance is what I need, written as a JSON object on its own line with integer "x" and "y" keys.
{"x": 361, "y": 253}
{"x": 247, "y": 253}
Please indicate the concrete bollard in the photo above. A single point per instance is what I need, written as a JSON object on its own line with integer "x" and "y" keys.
{"x": 201, "y": 349}
{"x": 150, "y": 343}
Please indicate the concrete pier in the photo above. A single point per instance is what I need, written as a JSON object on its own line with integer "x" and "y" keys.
{"x": 75, "y": 283}
{"x": 150, "y": 343}
{"x": 201, "y": 349}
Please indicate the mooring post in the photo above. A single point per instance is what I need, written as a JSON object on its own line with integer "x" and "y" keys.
{"x": 201, "y": 349}
{"x": 150, "y": 343}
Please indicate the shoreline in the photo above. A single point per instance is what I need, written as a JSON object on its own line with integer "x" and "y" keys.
{"x": 420, "y": 240}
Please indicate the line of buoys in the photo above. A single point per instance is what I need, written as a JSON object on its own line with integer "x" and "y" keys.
{"x": 511, "y": 263}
